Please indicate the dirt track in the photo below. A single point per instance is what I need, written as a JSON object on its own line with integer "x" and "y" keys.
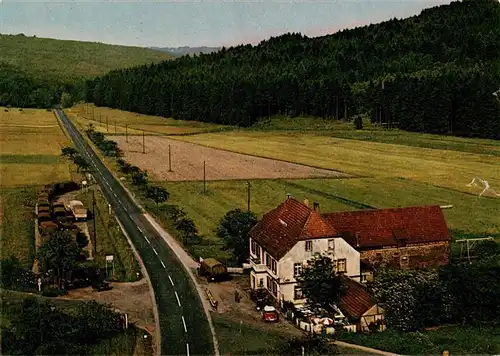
{"x": 187, "y": 162}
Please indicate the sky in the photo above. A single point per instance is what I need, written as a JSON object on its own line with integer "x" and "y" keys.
{"x": 195, "y": 23}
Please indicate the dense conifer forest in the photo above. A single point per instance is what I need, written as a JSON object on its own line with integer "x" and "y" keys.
{"x": 434, "y": 72}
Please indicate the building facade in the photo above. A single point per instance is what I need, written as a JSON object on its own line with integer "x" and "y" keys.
{"x": 282, "y": 243}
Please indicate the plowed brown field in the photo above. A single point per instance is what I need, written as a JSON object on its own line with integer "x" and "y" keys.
{"x": 187, "y": 162}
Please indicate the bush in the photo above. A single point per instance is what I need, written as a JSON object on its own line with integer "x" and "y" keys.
{"x": 53, "y": 292}
{"x": 81, "y": 239}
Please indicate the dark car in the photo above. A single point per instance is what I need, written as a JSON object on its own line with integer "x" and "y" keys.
{"x": 101, "y": 286}
{"x": 260, "y": 297}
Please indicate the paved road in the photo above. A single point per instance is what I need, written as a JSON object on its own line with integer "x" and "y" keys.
{"x": 184, "y": 327}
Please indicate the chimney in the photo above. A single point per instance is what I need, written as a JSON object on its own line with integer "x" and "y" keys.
{"x": 306, "y": 201}
{"x": 288, "y": 196}
{"x": 316, "y": 206}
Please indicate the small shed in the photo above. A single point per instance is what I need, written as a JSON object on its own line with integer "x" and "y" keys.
{"x": 359, "y": 306}
{"x": 212, "y": 269}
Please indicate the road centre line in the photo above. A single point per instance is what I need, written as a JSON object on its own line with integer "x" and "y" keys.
{"x": 184, "y": 323}
{"x": 156, "y": 253}
{"x": 147, "y": 239}
{"x": 171, "y": 281}
{"x": 187, "y": 349}
{"x": 177, "y": 296}
{"x": 163, "y": 264}
{"x": 138, "y": 228}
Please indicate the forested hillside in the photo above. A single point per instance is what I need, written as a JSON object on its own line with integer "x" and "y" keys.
{"x": 34, "y": 71}
{"x": 435, "y": 72}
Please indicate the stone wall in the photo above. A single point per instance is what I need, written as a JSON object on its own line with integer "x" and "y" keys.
{"x": 414, "y": 256}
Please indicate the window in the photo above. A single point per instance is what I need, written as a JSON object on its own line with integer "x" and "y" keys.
{"x": 268, "y": 283}
{"x": 341, "y": 265}
{"x": 253, "y": 247}
{"x": 268, "y": 260}
{"x": 261, "y": 283}
{"x": 297, "y": 293}
{"x": 309, "y": 245}
{"x": 274, "y": 266}
{"x": 331, "y": 244}
{"x": 274, "y": 288}
{"x": 257, "y": 251}
{"x": 297, "y": 269}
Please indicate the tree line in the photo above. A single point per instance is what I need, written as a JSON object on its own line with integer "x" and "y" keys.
{"x": 435, "y": 72}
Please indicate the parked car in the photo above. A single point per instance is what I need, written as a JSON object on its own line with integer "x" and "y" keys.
{"x": 101, "y": 286}
{"x": 270, "y": 314}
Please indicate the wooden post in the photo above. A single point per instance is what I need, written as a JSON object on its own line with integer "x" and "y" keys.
{"x": 115, "y": 125}
{"x": 204, "y": 178}
{"x": 107, "y": 125}
{"x": 169, "y": 159}
{"x": 143, "y": 142}
{"x": 100, "y": 117}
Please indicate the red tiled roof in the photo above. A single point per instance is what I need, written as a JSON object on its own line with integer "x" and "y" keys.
{"x": 378, "y": 228}
{"x": 356, "y": 300}
{"x": 292, "y": 221}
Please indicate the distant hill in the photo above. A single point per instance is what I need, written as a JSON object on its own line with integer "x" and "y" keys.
{"x": 434, "y": 72}
{"x": 34, "y": 71}
{"x": 181, "y": 51}
{"x": 68, "y": 60}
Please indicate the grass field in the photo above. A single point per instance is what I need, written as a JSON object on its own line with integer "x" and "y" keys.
{"x": 246, "y": 339}
{"x": 110, "y": 239}
{"x": 30, "y": 145}
{"x": 17, "y": 235}
{"x": 71, "y": 59}
{"x": 445, "y": 168}
{"x": 373, "y": 133}
{"x": 470, "y": 215}
{"x": 457, "y": 340}
{"x": 104, "y": 120}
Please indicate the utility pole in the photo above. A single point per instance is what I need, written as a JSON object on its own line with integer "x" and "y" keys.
{"x": 126, "y": 132}
{"x": 204, "y": 178}
{"x": 115, "y": 125}
{"x": 107, "y": 124}
{"x": 143, "y": 141}
{"x": 100, "y": 117}
{"x": 169, "y": 159}
{"x": 93, "y": 218}
{"x": 248, "y": 196}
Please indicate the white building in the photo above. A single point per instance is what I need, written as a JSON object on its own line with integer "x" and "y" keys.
{"x": 285, "y": 239}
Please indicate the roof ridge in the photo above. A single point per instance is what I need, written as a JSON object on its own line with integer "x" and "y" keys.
{"x": 305, "y": 224}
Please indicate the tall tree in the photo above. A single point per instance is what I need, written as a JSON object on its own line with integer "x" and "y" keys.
{"x": 233, "y": 230}
{"x": 58, "y": 253}
{"x": 321, "y": 285}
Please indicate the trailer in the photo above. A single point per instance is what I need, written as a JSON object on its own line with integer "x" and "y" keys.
{"x": 78, "y": 210}
{"x": 213, "y": 270}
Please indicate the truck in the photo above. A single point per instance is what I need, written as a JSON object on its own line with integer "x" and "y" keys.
{"x": 212, "y": 269}
{"x": 78, "y": 210}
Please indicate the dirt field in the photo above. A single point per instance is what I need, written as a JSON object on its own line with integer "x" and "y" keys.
{"x": 187, "y": 162}
{"x": 132, "y": 298}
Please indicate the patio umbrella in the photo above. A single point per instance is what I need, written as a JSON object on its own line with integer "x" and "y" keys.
{"x": 326, "y": 321}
